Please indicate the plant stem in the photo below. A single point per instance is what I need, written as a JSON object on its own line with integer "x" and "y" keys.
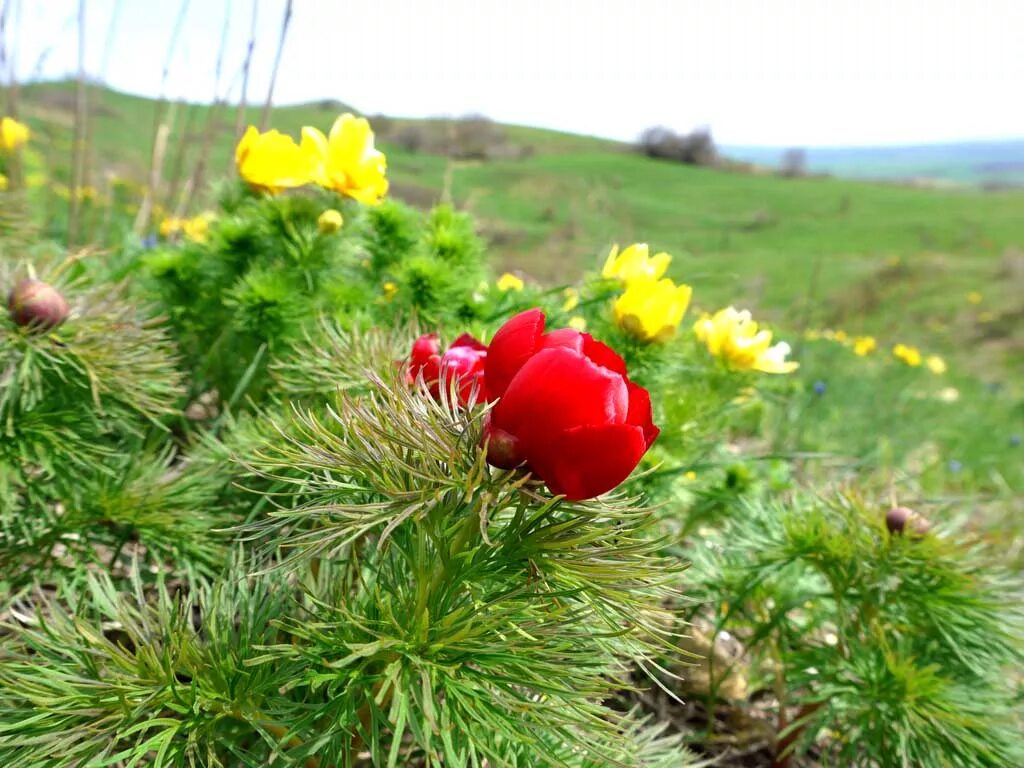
{"x": 276, "y": 730}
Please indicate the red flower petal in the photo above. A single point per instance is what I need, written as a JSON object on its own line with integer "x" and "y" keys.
{"x": 558, "y": 389}
{"x": 468, "y": 340}
{"x": 640, "y": 412}
{"x": 587, "y": 461}
{"x": 513, "y": 344}
{"x": 569, "y": 338}
{"x": 466, "y": 364}
{"x": 586, "y": 345}
{"x": 602, "y": 354}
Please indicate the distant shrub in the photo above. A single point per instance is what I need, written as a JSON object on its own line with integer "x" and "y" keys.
{"x": 794, "y": 163}
{"x": 695, "y": 148}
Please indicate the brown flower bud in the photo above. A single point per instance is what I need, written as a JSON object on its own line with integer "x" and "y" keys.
{"x": 898, "y": 519}
{"x": 37, "y": 304}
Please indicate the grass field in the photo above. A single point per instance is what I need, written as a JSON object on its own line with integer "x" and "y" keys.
{"x": 890, "y": 260}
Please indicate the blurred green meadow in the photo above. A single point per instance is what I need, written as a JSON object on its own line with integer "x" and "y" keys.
{"x": 890, "y": 260}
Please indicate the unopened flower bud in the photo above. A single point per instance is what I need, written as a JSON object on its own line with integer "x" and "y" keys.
{"x": 898, "y": 519}
{"x": 330, "y": 221}
{"x": 37, "y": 304}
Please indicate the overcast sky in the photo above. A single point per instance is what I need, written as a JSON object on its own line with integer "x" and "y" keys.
{"x": 793, "y": 72}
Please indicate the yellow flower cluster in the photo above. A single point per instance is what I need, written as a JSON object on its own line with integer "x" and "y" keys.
{"x": 3, "y": 183}
{"x": 651, "y": 307}
{"x": 908, "y": 354}
{"x": 12, "y": 134}
{"x": 733, "y": 336}
{"x": 345, "y": 160}
{"x": 196, "y": 228}
{"x": 862, "y": 345}
{"x": 509, "y": 282}
{"x": 634, "y": 263}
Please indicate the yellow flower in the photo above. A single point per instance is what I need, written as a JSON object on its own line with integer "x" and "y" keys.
{"x": 197, "y": 227}
{"x": 273, "y": 161}
{"x": 840, "y": 336}
{"x": 3, "y": 182}
{"x": 864, "y": 345}
{"x": 12, "y": 134}
{"x": 651, "y": 310}
{"x": 330, "y": 221}
{"x": 974, "y": 297}
{"x": 572, "y": 299}
{"x": 347, "y": 161}
{"x": 812, "y": 334}
{"x": 634, "y": 263}
{"x": 909, "y": 355}
{"x": 390, "y": 289}
{"x": 578, "y": 323}
{"x": 170, "y": 227}
{"x": 935, "y": 364}
{"x": 509, "y": 282}
{"x": 690, "y": 476}
{"x": 734, "y": 337}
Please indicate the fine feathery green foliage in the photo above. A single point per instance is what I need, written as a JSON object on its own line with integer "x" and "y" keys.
{"x": 897, "y": 646}
{"x": 86, "y": 470}
{"x": 426, "y": 609}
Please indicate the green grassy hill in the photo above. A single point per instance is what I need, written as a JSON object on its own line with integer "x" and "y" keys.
{"x": 884, "y": 259}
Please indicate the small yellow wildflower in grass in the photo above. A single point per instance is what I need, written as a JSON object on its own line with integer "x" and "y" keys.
{"x": 273, "y": 162}
{"x": 198, "y": 227}
{"x": 949, "y": 394}
{"x": 3, "y": 182}
{"x": 864, "y": 345}
{"x": 170, "y": 227}
{"x": 578, "y": 323}
{"x": 935, "y": 364}
{"x": 12, "y": 134}
{"x": 509, "y": 282}
{"x": 690, "y": 476}
{"x": 986, "y": 317}
{"x": 909, "y": 355}
{"x": 733, "y": 336}
{"x": 390, "y": 289}
{"x": 651, "y": 310}
{"x": 841, "y": 336}
{"x": 572, "y": 299}
{"x": 973, "y": 297}
{"x": 330, "y": 221}
{"x": 812, "y": 335}
{"x": 634, "y": 263}
{"x": 347, "y": 161}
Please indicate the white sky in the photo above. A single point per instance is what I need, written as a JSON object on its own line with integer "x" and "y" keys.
{"x": 793, "y": 72}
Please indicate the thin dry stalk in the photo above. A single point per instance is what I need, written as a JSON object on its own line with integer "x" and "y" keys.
{"x": 212, "y": 121}
{"x": 161, "y": 130}
{"x": 265, "y": 117}
{"x": 243, "y": 99}
{"x": 78, "y": 143}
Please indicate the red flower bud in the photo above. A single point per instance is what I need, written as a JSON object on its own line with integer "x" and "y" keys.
{"x": 463, "y": 362}
{"x": 37, "y": 304}
{"x": 567, "y": 408}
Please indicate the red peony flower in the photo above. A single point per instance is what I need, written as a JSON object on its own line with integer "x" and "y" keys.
{"x": 566, "y": 408}
{"x": 464, "y": 361}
